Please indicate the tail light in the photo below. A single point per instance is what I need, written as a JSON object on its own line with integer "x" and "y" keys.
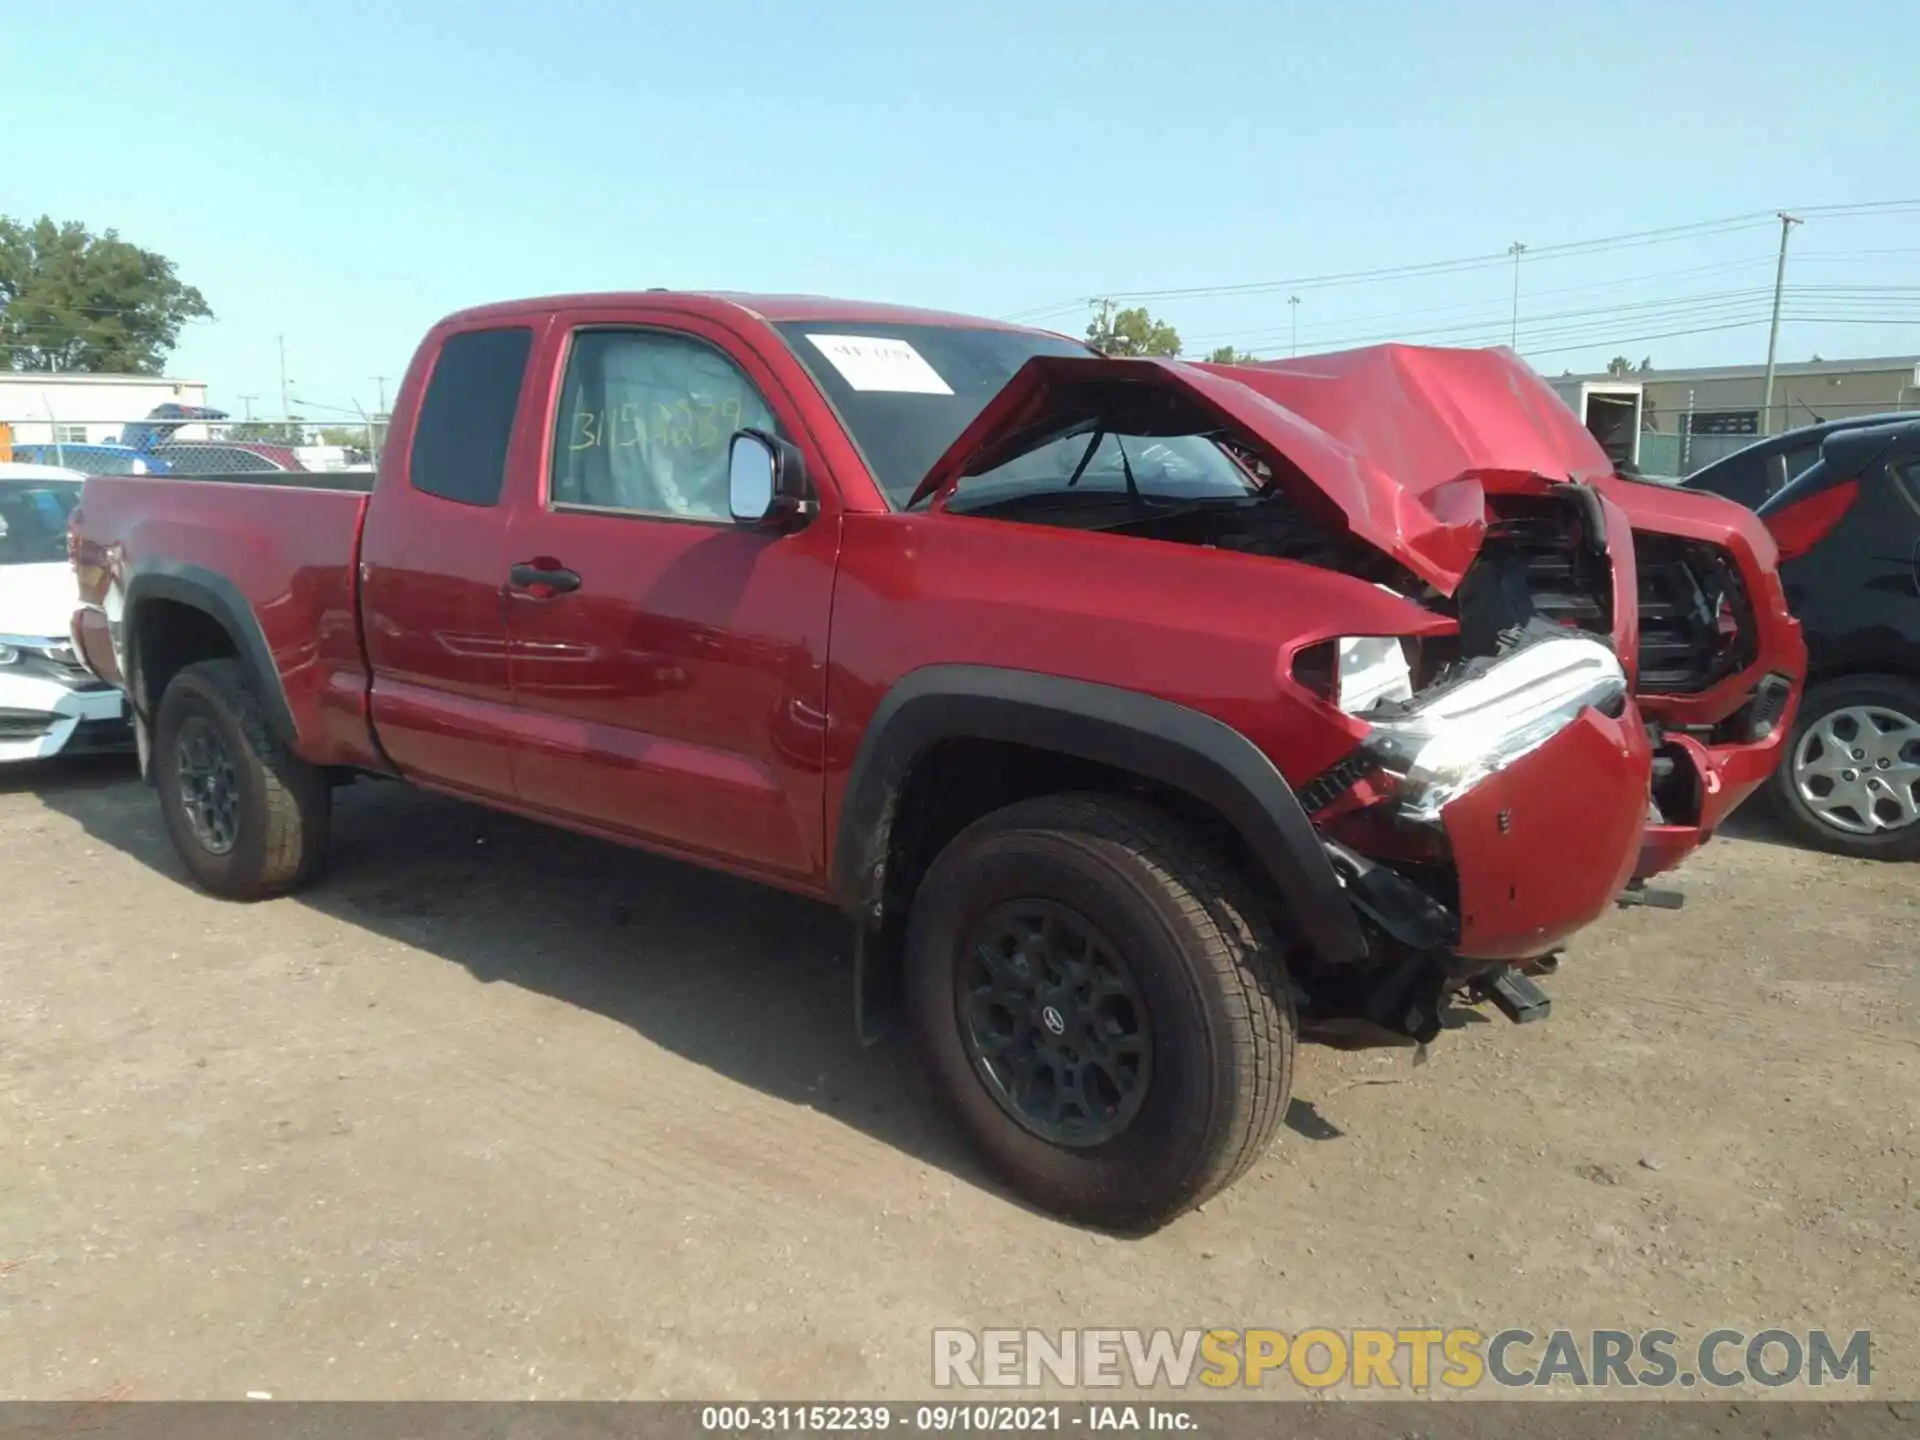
{"x": 1803, "y": 524}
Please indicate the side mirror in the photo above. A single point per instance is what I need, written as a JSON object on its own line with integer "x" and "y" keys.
{"x": 767, "y": 485}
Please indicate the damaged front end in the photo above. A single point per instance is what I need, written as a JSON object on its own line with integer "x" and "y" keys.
{"x": 1481, "y": 821}
{"x": 1480, "y": 773}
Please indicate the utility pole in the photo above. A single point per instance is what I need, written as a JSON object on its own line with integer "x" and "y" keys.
{"x": 380, "y": 405}
{"x": 1293, "y": 306}
{"x": 247, "y": 401}
{"x": 285, "y": 408}
{"x": 1787, "y": 222}
{"x": 1516, "y": 250}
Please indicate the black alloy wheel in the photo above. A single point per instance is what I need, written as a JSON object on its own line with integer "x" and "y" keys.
{"x": 1054, "y": 1023}
{"x": 209, "y": 788}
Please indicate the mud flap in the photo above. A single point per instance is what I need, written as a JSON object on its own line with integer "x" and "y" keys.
{"x": 877, "y": 987}
{"x": 142, "y": 743}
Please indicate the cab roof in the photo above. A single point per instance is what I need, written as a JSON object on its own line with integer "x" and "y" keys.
{"x": 773, "y": 309}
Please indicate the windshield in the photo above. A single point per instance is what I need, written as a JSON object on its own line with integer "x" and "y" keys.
{"x": 905, "y": 392}
{"x": 33, "y": 520}
{"x": 1154, "y": 467}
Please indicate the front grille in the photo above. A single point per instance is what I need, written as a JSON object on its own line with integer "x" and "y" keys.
{"x": 1540, "y": 562}
{"x": 1563, "y": 581}
{"x": 1696, "y": 626}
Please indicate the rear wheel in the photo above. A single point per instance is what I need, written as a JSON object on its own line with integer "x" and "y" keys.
{"x": 248, "y": 816}
{"x": 1850, "y": 781}
{"x": 1101, "y": 1004}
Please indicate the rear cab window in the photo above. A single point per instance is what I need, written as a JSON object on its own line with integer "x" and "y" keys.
{"x": 460, "y": 440}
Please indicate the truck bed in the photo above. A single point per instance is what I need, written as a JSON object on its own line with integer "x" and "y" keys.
{"x": 278, "y": 557}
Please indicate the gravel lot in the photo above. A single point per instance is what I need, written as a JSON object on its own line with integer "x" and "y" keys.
{"x": 497, "y": 1111}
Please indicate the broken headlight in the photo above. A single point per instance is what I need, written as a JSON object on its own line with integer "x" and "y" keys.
{"x": 1447, "y": 740}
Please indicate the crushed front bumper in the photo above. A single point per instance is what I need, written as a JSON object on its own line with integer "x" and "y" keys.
{"x": 1542, "y": 847}
{"x": 1720, "y": 661}
{"x": 1702, "y": 778}
{"x": 1519, "y": 792}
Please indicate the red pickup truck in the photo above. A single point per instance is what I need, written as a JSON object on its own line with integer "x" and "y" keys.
{"x": 1134, "y": 710}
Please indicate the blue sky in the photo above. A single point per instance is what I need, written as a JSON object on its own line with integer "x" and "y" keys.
{"x": 343, "y": 173}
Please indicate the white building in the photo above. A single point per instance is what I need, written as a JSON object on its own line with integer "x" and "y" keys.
{"x": 49, "y": 406}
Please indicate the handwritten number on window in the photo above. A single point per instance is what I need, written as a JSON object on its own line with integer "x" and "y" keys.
{"x": 681, "y": 426}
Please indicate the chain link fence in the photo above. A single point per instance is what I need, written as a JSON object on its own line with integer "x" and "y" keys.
{"x": 1675, "y": 444}
{"x": 193, "y": 440}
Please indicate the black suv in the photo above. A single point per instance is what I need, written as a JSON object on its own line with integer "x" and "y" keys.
{"x": 1849, "y": 535}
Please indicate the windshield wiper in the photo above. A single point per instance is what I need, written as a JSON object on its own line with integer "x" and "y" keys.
{"x": 1133, "y": 489}
{"x": 1126, "y": 467}
{"x": 1086, "y": 458}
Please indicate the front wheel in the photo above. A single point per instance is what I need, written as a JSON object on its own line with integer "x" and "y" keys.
{"x": 248, "y": 816}
{"x": 1850, "y": 780}
{"x": 1101, "y": 1004}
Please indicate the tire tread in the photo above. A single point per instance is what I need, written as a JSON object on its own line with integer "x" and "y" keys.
{"x": 1226, "y": 931}
{"x": 297, "y": 800}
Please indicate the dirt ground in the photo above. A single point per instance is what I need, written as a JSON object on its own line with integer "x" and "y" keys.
{"x": 496, "y": 1112}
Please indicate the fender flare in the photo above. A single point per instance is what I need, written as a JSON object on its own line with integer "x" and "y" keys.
{"x": 219, "y": 598}
{"x": 1159, "y": 740}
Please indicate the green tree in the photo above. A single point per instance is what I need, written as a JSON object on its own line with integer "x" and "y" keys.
{"x": 1130, "y": 332}
{"x": 73, "y": 300}
{"x": 1227, "y": 355}
{"x": 1619, "y": 365}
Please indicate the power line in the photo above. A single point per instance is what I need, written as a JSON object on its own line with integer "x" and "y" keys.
{"x": 1633, "y": 239}
{"x": 1642, "y": 339}
{"x": 1486, "y": 318}
{"x": 1480, "y": 305}
{"x": 1432, "y": 267}
{"x": 1493, "y": 325}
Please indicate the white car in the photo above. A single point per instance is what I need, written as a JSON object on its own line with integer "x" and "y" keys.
{"x": 49, "y": 704}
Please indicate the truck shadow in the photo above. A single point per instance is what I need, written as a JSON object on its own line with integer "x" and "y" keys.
{"x": 748, "y": 982}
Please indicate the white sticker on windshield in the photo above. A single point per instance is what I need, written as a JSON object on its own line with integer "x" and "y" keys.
{"x": 868, "y": 362}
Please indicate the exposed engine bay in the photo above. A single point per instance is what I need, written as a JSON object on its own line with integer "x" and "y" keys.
{"x": 1489, "y": 714}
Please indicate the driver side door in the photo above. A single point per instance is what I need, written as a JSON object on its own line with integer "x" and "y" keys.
{"x": 668, "y": 664}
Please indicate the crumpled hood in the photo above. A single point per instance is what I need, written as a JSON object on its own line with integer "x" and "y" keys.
{"x": 1398, "y": 443}
{"x": 1428, "y": 416}
{"x": 38, "y": 600}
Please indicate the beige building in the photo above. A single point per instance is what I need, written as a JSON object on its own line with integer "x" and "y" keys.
{"x": 53, "y": 407}
{"x": 1691, "y": 417}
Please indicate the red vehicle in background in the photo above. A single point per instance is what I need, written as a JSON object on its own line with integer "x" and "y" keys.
{"x": 1132, "y": 710}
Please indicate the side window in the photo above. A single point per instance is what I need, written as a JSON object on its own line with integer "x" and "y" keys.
{"x": 1911, "y": 475}
{"x": 1798, "y": 459}
{"x": 460, "y": 439}
{"x": 1746, "y": 481}
{"x": 1777, "y": 476}
{"x": 644, "y": 422}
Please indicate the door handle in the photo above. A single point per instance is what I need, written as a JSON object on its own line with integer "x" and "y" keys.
{"x": 542, "y": 582}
